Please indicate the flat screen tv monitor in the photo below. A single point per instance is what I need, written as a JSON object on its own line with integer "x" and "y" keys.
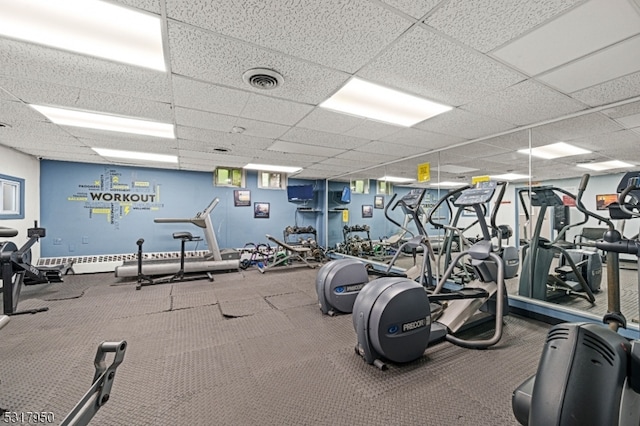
{"x": 345, "y": 195}
{"x": 300, "y": 193}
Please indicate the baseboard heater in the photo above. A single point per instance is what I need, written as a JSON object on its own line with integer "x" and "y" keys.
{"x": 108, "y": 262}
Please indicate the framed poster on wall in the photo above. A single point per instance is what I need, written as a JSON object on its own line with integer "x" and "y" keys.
{"x": 378, "y": 202}
{"x": 367, "y": 210}
{"x": 261, "y": 210}
{"x": 241, "y": 197}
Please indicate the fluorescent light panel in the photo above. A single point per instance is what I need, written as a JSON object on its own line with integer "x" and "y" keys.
{"x": 510, "y": 176}
{"x": 605, "y": 165}
{"x": 554, "y": 150}
{"x": 448, "y": 184}
{"x": 133, "y": 155}
{"x": 395, "y": 179}
{"x": 114, "y": 123}
{"x": 369, "y": 100}
{"x": 89, "y": 27}
{"x": 272, "y": 168}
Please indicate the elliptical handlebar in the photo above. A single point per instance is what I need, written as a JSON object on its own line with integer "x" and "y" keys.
{"x": 435, "y": 208}
{"x": 623, "y": 196}
{"x": 581, "y": 188}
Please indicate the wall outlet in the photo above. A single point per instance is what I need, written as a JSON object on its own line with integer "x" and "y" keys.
{"x": 57, "y": 241}
{"x": 85, "y": 240}
{"x": 72, "y": 248}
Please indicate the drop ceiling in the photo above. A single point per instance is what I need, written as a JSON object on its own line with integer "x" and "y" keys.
{"x": 516, "y": 73}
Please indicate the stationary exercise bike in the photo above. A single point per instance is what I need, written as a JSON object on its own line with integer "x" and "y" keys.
{"x": 17, "y": 269}
{"x": 589, "y": 374}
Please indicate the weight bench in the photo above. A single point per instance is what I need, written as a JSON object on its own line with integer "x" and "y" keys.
{"x": 291, "y": 253}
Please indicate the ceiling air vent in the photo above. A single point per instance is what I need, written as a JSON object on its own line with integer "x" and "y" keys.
{"x": 263, "y": 78}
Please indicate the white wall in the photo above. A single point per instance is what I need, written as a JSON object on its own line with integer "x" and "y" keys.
{"x": 17, "y": 164}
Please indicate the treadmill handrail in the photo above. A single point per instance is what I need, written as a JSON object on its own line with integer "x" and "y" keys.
{"x": 198, "y": 220}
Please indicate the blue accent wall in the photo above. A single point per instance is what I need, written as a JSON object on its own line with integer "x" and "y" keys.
{"x": 379, "y": 226}
{"x": 92, "y": 209}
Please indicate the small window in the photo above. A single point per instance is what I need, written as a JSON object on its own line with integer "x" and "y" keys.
{"x": 384, "y": 188}
{"x": 227, "y": 176}
{"x": 360, "y": 186}
{"x": 11, "y": 197}
{"x": 272, "y": 180}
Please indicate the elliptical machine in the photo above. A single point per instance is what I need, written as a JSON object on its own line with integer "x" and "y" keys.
{"x": 579, "y": 272}
{"x": 339, "y": 282}
{"x": 589, "y": 374}
{"x": 392, "y": 316}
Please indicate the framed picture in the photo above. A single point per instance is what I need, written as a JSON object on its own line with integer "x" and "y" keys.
{"x": 261, "y": 210}
{"x": 603, "y": 200}
{"x": 367, "y": 210}
{"x": 378, "y": 202}
{"x": 241, "y": 197}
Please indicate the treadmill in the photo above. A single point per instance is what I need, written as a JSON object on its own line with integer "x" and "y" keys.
{"x": 215, "y": 260}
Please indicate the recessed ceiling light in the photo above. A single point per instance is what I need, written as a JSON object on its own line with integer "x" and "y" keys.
{"x": 448, "y": 184}
{"x": 395, "y": 179}
{"x": 605, "y": 165}
{"x": 510, "y": 176}
{"x": 272, "y": 168}
{"x": 90, "y": 27}
{"x": 554, "y": 150}
{"x": 369, "y": 100}
{"x": 114, "y": 123}
{"x": 133, "y": 155}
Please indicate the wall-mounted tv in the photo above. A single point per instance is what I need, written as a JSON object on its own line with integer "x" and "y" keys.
{"x": 299, "y": 193}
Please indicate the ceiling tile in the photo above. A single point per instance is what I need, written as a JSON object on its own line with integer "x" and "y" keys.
{"x": 34, "y": 62}
{"x": 313, "y": 174}
{"x": 205, "y": 56}
{"x": 630, "y": 121}
{"x": 429, "y": 65}
{"x": 623, "y": 110}
{"x": 204, "y": 120}
{"x": 328, "y": 121}
{"x": 379, "y": 147}
{"x": 414, "y": 8}
{"x": 622, "y": 139}
{"x": 578, "y": 127}
{"x": 518, "y": 140}
{"x": 607, "y": 64}
{"x": 464, "y": 124}
{"x": 552, "y": 44}
{"x": 282, "y": 146}
{"x": 314, "y": 137}
{"x": 486, "y": 24}
{"x": 372, "y": 130}
{"x": 226, "y": 123}
{"x": 34, "y": 92}
{"x": 338, "y": 34}
{"x": 274, "y": 110}
{"x": 358, "y": 160}
{"x": 194, "y": 94}
{"x": 611, "y": 91}
{"x": 525, "y": 103}
{"x": 422, "y": 138}
{"x": 477, "y": 150}
{"x": 215, "y": 138}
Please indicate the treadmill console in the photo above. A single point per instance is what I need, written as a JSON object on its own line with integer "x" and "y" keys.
{"x": 480, "y": 194}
